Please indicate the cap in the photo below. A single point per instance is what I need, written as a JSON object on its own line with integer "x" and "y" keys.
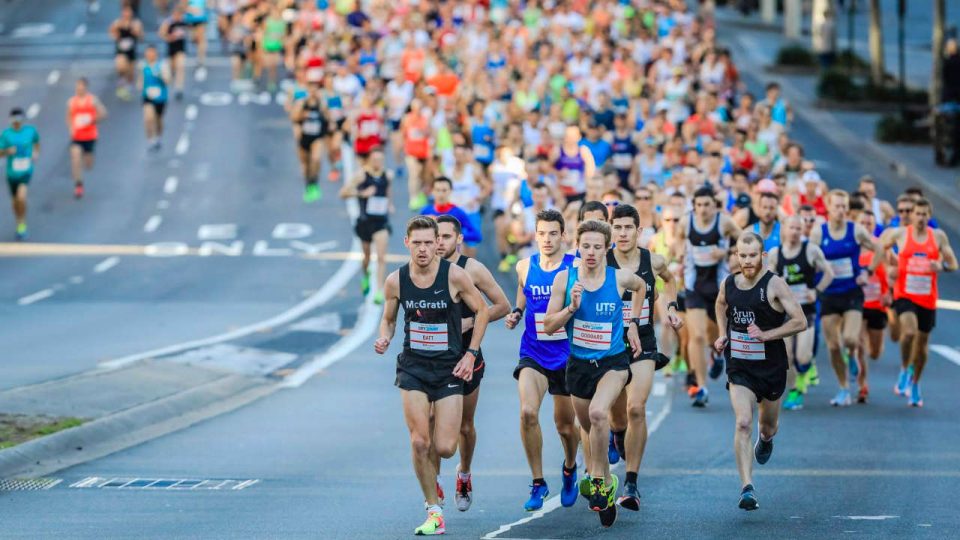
{"x": 16, "y": 111}
{"x": 811, "y": 176}
{"x": 743, "y": 201}
{"x": 767, "y": 186}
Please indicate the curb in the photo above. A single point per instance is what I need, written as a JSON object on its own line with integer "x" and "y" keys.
{"x": 132, "y": 426}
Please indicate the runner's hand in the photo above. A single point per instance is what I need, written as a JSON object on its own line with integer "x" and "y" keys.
{"x": 466, "y": 324}
{"x": 512, "y": 320}
{"x": 755, "y": 332}
{"x": 369, "y": 192}
{"x": 936, "y": 266}
{"x": 575, "y": 294}
{"x": 381, "y": 345}
{"x": 720, "y": 344}
{"x": 675, "y": 321}
{"x": 863, "y": 278}
{"x": 633, "y": 336}
{"x": 886, "y": 300}
{"x": 464, "y": 368}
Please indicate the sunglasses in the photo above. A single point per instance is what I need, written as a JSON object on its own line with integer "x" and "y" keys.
{"x": 671, "y": 220}
{"x": 612, "y": 204}
{"x": 904, "y": 210}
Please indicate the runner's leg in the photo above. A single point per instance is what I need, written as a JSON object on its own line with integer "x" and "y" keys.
{"x": 832, "y": 332}
{"x": 468, "y": 431}
{"x": 76, "y": 163}
{"x": 908, "y": 334}
{"x": 598, "y": 415}
{"x": 416, "y": 411}
{"x": 919, "y": 355}
{"x": 565, "y": 419}
{"x": 532, "y": 386}
{"x": 697, "y": 320}
{"x": 380, "y": 239}
{"x": 742, "y": 400}
{"x": 637, "y": 393}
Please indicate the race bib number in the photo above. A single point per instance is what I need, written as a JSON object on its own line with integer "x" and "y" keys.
{"x": 570, "y": 179}
{"x": 314, "y": 74}
{"x": 20, "y": 164}
{"x": 481, "y": 152}
{"x": 377, "y": 206}
{"x": 153, "y": 92}
{"x": 871, "y": 291}
{"x": 125, "y": 44}
{"x": 842, "y": 268}
{"x": 644, "y": 312}
{"x": 592, "y": 335}
{"x": 622, "y": 161}
{"x": 703, "y": 256}
{"x": 428, "y": 336}
{"x": 801, "y": 293}
{"x": 82, "y": 120}
{"x": 369, "y": 128}
{"x": 310, "y": 127}
{"x": 744, "y": 347}
{"x": 542, "y": 335}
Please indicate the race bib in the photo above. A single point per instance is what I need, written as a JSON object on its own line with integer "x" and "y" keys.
{"x": 314, "y": 74}
{"x": 20, "y": 164}
{"x": 82, "y": 120}
{"x": 622, "y": 161}
{"x": 481, "y": 152}
{"x": 744, "y": 347}
{"x": 919, "y": 284}
{"x": 310, "y": 127}
{"x": 125, "y": 44}
{"x": 369, "y": 128}
{"x": 570, "y": 179}
{"x": 377, "y": 206}
{"x": 871, "y": 291}
{"x": 703, "y": 256}
{"x": 842, "y": 268}
{"x": 592, "y": 335}
{"x": 801, "y": 293}
{"x": 644, "y": 312}
{"x": 542, "y": 335}
{"x": 153, "y": 92}
{"x": 428, "y": 336}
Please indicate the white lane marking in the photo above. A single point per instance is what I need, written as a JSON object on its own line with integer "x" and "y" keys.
{"x": 947, "y": 352}
{"x": 35, "y": 297}
{"x": 948, "y": 304}
{"x": 200, "y": 74}
{"x": 554, "y": 502}
{"x": 216, "y": 99}
{"x": 331, "y": 288}
{"x": 867, "y": 518}
{"x": 183, "y": 144}
{"x": 106, "y": 264}
{"x": 75, "y": 280}
{"x": 170, "y": 185}
{"x": 31, "y": 30}
{"x": 8, "y": 87}
{"x": 33, "y": 110}
{"x": 81, "y": 30}
{"x": 191, "y": 112}
{"x": 53, "y": 77}
{"x": 153, "y": 223}
{"x": 217, "y": 231}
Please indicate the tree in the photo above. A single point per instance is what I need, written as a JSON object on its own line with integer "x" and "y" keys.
{"x": 876, "y": 44}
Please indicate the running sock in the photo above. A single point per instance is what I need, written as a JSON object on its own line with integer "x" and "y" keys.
{"x": 631, "y": 477}
{"x": 569, "y": 470}
{"x": 539, "y": 481}
{"x": 802, "y": 368}
{"x": 436, "y": 509}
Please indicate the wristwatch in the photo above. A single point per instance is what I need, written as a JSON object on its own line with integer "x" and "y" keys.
{"x": 673, "y": 305}
{"x": 474, "y": 352}
{"x": 518, "y": 310}
{"x": 636, "y": 321}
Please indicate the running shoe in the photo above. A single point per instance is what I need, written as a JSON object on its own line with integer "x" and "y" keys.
{"x": 378, "y": 298}
{"x": 631, "y": 497}
{"x": 852, "y": 364}
{"x": 78, "y": 191}
{"x": 365, "y": 283}
{"x": 599, "y": 499}
{"x": 312, "y": 193}
{"x": 464, "y": 495}
{"x": 794, "y": 401}
{"x": 417, "y": 203}
{"x": 748, "y": 499}
{"x": 504, "y": 266}
{"x": 609, "y": 516}
{"x": 334, "y": 175}
{"x": 538, "y": 493}
{"x": 862, "y": 395}
{"x": 691, "y": 380}
{"x": 692, "y": 391}
{"x": 611, "y": 490}
{"x": 842, "y": 399}
{"x": 801, "y": 383}
{"x": 763, "y": 450}
{"x": 700, "y": 399}
{"x": 613, "y": 456}
{"x": 440, "y": 500}
{"x": 915, "y": 399}
{"x": 433, "y": 525}
{"x": 813, "y": 378}
{"x": 902, "y": 381}
{"x": 568, "y": 493}
{"x": 716, "y": 369}
{"x": 586, "y": 486}
{"x": 21, "y": 231}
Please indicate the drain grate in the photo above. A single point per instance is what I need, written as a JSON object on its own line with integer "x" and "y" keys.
{"x": 178, "y": 484}
{"x": 27, "y": 484}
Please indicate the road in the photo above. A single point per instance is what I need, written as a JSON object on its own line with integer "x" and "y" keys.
{"x": 329, "y": 458}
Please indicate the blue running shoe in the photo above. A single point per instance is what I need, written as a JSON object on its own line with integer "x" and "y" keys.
{"x": 568, "y": 493}
{"x": 716, "y": 369}
{"x": 748, "y": 499}
{"x": 612, "y": 454}
{"x": 915, "y": 399}
{"x": 852, "y": 365}
{"x": 902, "y": 381}
{"x": 700, "y": 399}
{"x": 538, "y": 492}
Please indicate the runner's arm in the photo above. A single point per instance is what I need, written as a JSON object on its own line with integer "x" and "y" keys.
{"x": 729, "y": 228}
{"x": 817, "y": 260}
{"x": 720, "y": 307}
{"x": 947, "y": 257}
{"x": 350, "y": 188}
{"x": 772, "y": 257}
{"x": 114, "y": 34}
{"x": 558, "y": 312}
{"x": 488, "y": 286}
{"x": 101, "y": 110}
{"x": 796, "y": 322}
{"x": 388, "y": 322}
{"x": 589, "y": 165}
{"x": 663, "y": 272}
{"x": 471, "y": 296}
{"x": 866, "y": 241}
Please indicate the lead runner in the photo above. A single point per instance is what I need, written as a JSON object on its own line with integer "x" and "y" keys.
{"x": 757, "y": 310}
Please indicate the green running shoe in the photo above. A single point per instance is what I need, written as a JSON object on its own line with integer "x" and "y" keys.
{"x": 417, "y": 203}
{"x": 312, "y": 193}
{"x": 611, "y": 490}
{"x": 813, "y": 378}
{"x": 586, "y": 486}
{"x": 378, "y": 298}
{"x": 794, "y": 401}
{"x": 432, "y": 526}
{"x": 21, "y": 231}
{"x": 365, "y": 283}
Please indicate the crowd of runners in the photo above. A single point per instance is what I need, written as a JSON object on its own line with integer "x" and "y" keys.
{"x": 657, "y": 215}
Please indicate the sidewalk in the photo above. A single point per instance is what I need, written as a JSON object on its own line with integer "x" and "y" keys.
{"x": 755, "y": 47}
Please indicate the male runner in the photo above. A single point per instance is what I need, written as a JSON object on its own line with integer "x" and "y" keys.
{"x": 922, "y": 252}
{"x": 125, "y": 31}
{"x": 543, "y": 360}
{"x": 876, "y": 300}
{"x": 173, "y": 31}
{"x": 798, "y": 262}
{"x": 708, "y": 234}
{"x": 841, "y": 304}
{"x": 450, "y": 241}
{"x": 371, "y": 187}
{"x": 768, "y": 226}
{"x": 434, "y": 364}
{"x": 756, "y": 310}
{"x": 628, "y": 419}
{"x": 84, "y": 112}
{"x": 442, "y": 191}
{"x": 309, "y": 114}
{"x": 154, "y": 79}
{"x": 20, "y": 143}
{"x": 587, "y": 300}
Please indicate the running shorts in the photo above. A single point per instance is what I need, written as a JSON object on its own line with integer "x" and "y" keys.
{"x": 875, "y": 319}
{"x": 767, "y": 379}
{"x": 926, "y": 318}
{"x": 584, "y": 375}
{"x": 366, "y": 228}
{"x": 158, "y": 107}
{"x": 15, "y": 183}
{"x": 696, "y": 300}
{"x": 479, "y": 367}
{"x": 433, "y": 378}
{"x": 86, "y": 146}
{"x": 840, "y": 303}
{"x": 556, "y": 378}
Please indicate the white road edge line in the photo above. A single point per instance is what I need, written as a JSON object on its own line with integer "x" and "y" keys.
{"x": 33, "y": 110}
{"x": 554, "y": 502}
{"x": 170, "y": 186}
{"x": 332, "y": 287}
{"x": 35, "y": 297}
{"x": 153, "y": 223}
{"x": 53, "y": 77}
{"x": 106, "y": 264}
{"x": 947, "y": 352}
{"x": 81, "y": 30}
{"x": 183, "y": 144}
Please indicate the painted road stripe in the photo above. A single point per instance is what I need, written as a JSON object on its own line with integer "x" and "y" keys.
{"x": 153, "y": 223}
{"x": 554, "y": 502}
{"x": 948, "y": 304}
{"x": 191, "y": 112}
{"x": 53, "y": 77}
{"x": 308, "y": 251}
{"x": 947, "y": 352}
{"x": 35, "y": 297}
{"x": 33, "y": 110}
{"x": 183, "y": 144}
{"x": 170, "y": 186}
{"x": 106, "y": 264}
{"x": 81, "y": 30}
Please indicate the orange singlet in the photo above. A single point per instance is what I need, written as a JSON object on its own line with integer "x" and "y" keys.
{"x": 83, "y": 114}
{"x": 916, "y": 282}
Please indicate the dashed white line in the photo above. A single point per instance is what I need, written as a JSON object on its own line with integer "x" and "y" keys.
{"x": 106, "y": 264}
{"x": 152, "y": 224}
{"x": 35, "y": 297}
{"x": 183, "y": 144}
{"x": 75, "y": 280}
{"x": 191, "y": 112}
{"x": 949, "y": 353}
{"x": 81, "y": 30}
{"x": 33, "y": 110}
{"x": 53, "y": 77}
{"x": 170, "y": 186}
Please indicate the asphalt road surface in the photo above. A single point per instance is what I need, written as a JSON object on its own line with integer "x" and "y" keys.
{"x": 330, "y": 458}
